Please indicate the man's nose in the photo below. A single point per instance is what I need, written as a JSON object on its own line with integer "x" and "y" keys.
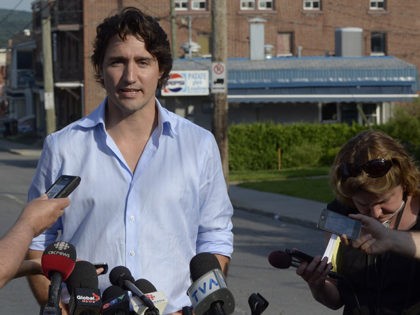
{"x": 129, "y": 72}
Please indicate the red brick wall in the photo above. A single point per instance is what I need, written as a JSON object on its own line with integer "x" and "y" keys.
{"x": 313, "y": 31}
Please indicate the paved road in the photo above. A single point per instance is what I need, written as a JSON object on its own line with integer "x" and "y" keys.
{"x": 256, "y": 236}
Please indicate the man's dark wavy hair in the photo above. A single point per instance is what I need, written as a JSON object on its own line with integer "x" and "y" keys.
{"x": 132, "y": 21}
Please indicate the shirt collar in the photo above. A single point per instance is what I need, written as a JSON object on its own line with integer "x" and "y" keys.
{"x": 166, "y": 123}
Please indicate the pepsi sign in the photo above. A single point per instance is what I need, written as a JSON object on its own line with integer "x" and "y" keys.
{"x": 187, "y": 83}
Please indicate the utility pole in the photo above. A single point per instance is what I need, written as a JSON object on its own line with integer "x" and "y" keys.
{"x": 50, "y": 124}
{"x": 219, "y": 81}
{"x": 174, "y": 28}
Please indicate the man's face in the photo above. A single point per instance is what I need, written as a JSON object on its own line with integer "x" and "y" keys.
{"x": 130, "y": 76}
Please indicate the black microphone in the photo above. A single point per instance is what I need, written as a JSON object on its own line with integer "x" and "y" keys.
{"x": 293, "y": 258}
{"x": 158, "y": 299}
{"x": 115, "y": 301}
{"x": 208, "y": 293}
{"x": 122, "y": 277}
{"x": 257, "y": 303}
{"x": 85, "y": 297}
{"x": 57, "y": 262}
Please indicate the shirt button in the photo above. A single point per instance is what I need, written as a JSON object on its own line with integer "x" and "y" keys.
{"x": 132, "y": 253}
{"x": 132, "y": 218}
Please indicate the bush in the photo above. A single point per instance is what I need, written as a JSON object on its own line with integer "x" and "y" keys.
{"x": 255, "y": 146}
{"x": 304, "y": 154}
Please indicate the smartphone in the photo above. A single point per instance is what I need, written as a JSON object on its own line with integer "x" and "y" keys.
{"x": 339, "y": 224}
{"x": 63, "y": 186}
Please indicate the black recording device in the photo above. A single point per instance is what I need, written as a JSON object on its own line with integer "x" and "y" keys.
{"x": 339, "y": 224}
{"x": 299, "y": 255}
{"x": 63, "y": 186}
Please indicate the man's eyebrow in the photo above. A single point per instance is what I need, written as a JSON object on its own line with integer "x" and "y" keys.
{"x": 116, "y": 58}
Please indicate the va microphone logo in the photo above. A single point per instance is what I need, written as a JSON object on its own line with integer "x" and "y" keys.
{"x": 209, "y": 288}
{"x": 205, "y": 285}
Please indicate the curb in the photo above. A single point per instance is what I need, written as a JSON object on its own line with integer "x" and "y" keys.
{"x": 279, "y": 217}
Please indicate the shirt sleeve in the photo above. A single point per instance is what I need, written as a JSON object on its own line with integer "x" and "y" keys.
{"x": 44, "y": 176}
{"x": 215, "y": 229}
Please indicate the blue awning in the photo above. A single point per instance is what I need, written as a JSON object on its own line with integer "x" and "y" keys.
{"x": 315, "y": 79}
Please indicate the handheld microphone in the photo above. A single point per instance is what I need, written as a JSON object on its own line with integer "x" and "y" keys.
{"x": 57, "y": 262}
{"x": 85, "y": 298}
{"x": 292, "y": 257}
{"x": 121, "y": 276}
{"x": 208, "y": 292}
{"x": 115, "y": 301}
{"x": 257, "y": 303}
{"x": 158, "y": 298}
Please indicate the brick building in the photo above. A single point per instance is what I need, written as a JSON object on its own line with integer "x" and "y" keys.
{"x": 292, "y": 29}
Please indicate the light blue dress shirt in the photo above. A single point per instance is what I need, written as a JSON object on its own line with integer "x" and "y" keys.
{"x": 152, "y": 221}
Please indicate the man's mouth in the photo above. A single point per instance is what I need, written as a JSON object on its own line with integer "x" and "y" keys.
{"x": 130, "y": 90}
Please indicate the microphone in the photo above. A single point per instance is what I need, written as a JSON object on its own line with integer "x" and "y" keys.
{"x": 115, "y": 301}
{"x": 158, "y": 298}
{"x": 57, "y": 263}
{"x": 121, "y": 276}
{"x": 293, "y": 257}
{"x": 85, "y": 298}
{"x": 208, "y": 293}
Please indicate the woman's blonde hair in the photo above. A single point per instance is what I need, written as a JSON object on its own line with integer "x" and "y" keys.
{"x": 367, "y": 146}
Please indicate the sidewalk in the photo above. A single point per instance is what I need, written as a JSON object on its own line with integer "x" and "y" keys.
{"x": 280, "y": 207}
{"x": 19, "y": 148}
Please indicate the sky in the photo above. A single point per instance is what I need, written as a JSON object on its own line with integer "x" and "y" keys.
{"x": 21, "y": 5}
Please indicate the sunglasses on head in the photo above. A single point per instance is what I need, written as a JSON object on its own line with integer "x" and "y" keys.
{"x": 373, "y": 168}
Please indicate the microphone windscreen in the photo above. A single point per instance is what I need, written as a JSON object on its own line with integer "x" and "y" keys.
{"x": 58, "y": 257}
{"x": 145, "y": 286}
{"x": 202, "y": 263}
{"x": 83, "y": 276}
{"x": 115, "y": 300}
{"x": 112, "y": 292}
{"x": 280, "y": 259}
{"x": 119, "y": 274}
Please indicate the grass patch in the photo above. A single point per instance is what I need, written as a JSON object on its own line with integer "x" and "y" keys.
{"x": 251, "y": 176}
{"x": 307, "y": 183}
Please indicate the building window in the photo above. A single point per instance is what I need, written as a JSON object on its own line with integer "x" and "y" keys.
{"x": 198, "y": 5}
{"x": 260, "y": 4}
{"x": 377, "y": 5}
{"x": 312, "y": 4}
{"x": 247, "y": 4}
{"x": 378, "y": 43}
{"x": 329, "y": 112}
{"x": 265, "y": 5}
{"x": 195, "y": 5}
{"x": 181, "y": 4}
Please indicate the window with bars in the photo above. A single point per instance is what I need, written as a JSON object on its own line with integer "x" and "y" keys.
{"x": 312, "y": 4}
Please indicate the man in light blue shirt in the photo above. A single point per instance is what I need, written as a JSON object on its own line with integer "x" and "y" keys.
{"x": 152, "y": 192}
